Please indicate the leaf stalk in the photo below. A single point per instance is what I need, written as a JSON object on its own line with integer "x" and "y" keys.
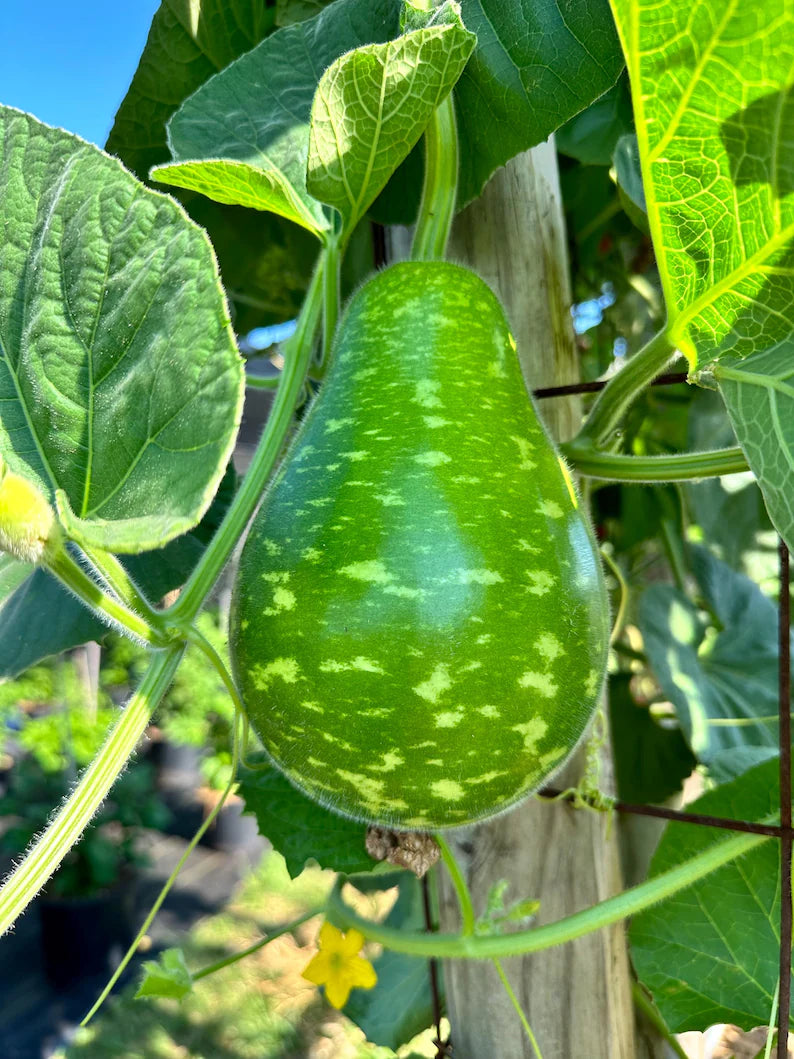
{"x": 440, "y": 189}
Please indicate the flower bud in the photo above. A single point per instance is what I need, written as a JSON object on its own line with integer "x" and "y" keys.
{"x": 28, "y": 527}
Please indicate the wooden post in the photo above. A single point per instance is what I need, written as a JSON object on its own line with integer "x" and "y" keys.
{"x": 577, "y": 997}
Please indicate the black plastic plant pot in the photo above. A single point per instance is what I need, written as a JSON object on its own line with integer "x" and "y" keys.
{"x": 177, "y": 765}
{"x": 231, "y": 830}
{"x": 83, "y": 937}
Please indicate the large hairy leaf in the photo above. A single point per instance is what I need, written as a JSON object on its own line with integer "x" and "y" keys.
{"x": 714, "y": 109}
{"x": 120, "y": 382}
{"x": 710, "y": 953}
{"x": 244, "y": 136}
{"x": 759, "y": 394}
{"x": 372, "y": 105}
{"x": 721, "y": 673}
{"x": 39, "y": 617}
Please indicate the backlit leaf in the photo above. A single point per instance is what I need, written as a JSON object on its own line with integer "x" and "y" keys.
{"x": 373, "y": 104}
{"x": 714, "y": 111}
{"x": 168, "y": 976}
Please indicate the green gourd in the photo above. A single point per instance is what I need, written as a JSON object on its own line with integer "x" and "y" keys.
{"x": 420, "y": 626}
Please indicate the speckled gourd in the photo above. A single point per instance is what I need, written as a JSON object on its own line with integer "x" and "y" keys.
{"x": 420, "y": 625}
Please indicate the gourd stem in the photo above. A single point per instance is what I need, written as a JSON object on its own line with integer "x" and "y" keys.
{"x": 297, "y": 355}
{"x": 518, "y": 1009}
{"x": 461, "y": 889}
{"x": 69, "y": 572}
{"x": 119, "y": 581}
{"x": 623, "y": 389}
{"x": 172, "y": 877}
{"x": 603, "y": 914}
{"x": 257, "y": 945}
{"x": 440, "y": 189}
{"x": 331, "y": 299}
{"x": 63, "y": 832}
{"x": 675, "y": 467}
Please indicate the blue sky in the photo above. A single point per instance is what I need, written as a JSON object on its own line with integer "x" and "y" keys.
{"x": 70, "y": 63}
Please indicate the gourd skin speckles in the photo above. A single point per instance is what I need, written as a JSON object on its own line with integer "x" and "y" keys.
{"x": 454, "y": 637}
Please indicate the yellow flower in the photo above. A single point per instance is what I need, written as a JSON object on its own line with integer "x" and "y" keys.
{"x": 338, "y": 966}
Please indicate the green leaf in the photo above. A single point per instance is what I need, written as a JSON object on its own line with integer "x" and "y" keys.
{"x": 710, "y": 953}
{"x": 264, "y": 260}
{"x": 373, "y": 104}
{"x": 628, "y": 171}
{"x": 728, "y": 765}
{"x": 189, "y": 41}
{"x": 400, "y": 1005}
{"x": 715, "y": 126}
{"x": 167, "y": 976}
{"x": 265, "y": 186}
{"x": 719, "y": 669}
{"x": 536, "y": 65}
{"x": 729, "y": 510}
{"x": 40, "y": 617}
{"x": 12, "y": 575}
{"x": 591, "y": 136}
{"x": 298, "y": 828}
{"x": 290, "y": 11}
{"x": 236, "y": 145}
{"x": 121, "y": 381}
{"x": 651, "y": 761}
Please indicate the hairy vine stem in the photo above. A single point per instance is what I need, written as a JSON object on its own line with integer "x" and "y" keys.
{"x": 676, "y": 467}
{"x": 207, "y": 823}
{"x": 69, "y": 572}
{"x": 603, "y": 914}
{"x": 52, "y": 846}
{"x": 622, "y": 390}
{"x": 119, "y": 581}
